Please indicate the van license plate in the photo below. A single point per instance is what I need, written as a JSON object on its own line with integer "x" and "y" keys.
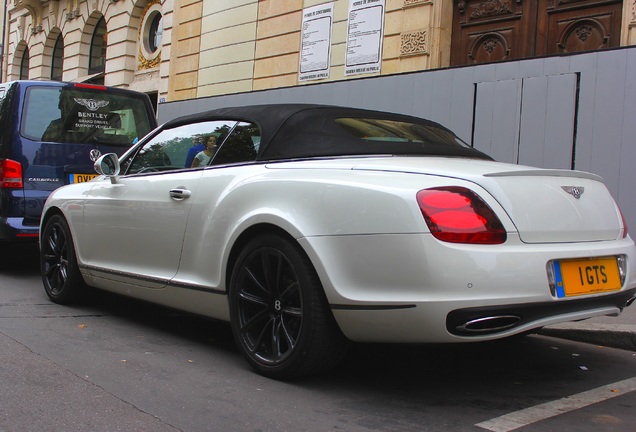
{"x": 588, "y": 276}
{"x": 80, "y": 178}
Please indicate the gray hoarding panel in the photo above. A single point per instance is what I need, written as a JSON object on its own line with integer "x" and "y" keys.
{"x": 627, "y": 168}
{"x": 462, "y": 103}
{"x": 497, "y": 112}
{"x": 548, "y": 108}
{"x": 608, "y": 117}
{"x": 585, "y": 64}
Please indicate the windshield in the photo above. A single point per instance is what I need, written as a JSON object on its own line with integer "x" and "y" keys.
{"x": 83, "y": 116}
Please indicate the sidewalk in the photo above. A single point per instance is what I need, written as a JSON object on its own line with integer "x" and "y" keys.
{"x": 615, "y": 332}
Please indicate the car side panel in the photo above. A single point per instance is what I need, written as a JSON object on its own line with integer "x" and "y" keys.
{"x": 135, "y": 227}
{"x": 303, "y": 203}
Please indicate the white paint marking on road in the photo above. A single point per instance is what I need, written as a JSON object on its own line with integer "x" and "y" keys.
{"x": 537, "y": 413}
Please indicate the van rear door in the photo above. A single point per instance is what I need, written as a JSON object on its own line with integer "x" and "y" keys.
{"x": 64, "y": 129}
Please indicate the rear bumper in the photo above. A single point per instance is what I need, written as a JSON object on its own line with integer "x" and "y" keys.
{"x": 414, "y": 289}
{"x": 15, "y": 229}
{"x": 476, "y": 321}
{"x": 439, "y": 323}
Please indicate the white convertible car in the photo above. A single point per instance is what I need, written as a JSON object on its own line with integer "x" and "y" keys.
{"x": 311, "y": 226}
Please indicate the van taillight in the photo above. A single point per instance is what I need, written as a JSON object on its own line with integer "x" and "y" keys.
{"x": 10, "y": 174}
{"x": 459, "y": 215}
{"x": 90, "y": 86}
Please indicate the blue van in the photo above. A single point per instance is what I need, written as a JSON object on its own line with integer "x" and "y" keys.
{"x": 50, "y": 135}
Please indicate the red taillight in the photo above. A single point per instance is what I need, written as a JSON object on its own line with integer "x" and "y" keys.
{"x": 458, "y": 215}
{"x": 10, "y": 174}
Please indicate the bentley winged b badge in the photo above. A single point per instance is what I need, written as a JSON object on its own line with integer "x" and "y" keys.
{"x": 575, "y": 191}
{"x": 91, "y": 104}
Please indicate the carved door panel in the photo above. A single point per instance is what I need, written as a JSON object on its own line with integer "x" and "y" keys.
{"x": 578, "y": 25}
{"x": 493, "y": 30}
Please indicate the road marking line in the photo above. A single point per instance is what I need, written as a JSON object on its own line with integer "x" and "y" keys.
{"x": 537, "y": 413}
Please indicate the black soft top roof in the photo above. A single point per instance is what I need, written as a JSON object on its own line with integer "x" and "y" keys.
{"x": 290, "y": 131}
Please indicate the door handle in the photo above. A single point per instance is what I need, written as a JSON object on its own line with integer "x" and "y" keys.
{"x": 180, "y": 194}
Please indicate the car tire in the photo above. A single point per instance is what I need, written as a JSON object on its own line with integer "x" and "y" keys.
{"x": 62, "y": 280}
{"x": 279, "y": 314}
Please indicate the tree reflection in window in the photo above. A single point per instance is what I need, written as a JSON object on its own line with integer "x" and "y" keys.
{"x": 241, "y": 146}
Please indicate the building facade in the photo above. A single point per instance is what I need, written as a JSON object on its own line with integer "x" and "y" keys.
{"x": 183, "y": 49}
{"x": 112, "y": 42}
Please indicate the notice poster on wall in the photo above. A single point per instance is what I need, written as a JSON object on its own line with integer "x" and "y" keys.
{"x": 364, "y": 36}
{"x": 315, "y": 50}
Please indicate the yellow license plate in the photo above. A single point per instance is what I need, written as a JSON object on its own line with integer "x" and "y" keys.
{"x": 588, "y": 276}
{"x": 80, "y": 178}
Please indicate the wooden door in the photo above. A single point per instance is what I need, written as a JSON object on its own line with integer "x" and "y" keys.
{"x": 486, "y": 30}
{"x": 578, "y": 25}
{"x": 494, "y": 30}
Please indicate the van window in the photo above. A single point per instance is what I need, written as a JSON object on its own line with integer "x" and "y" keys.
{"x": 83, "y": 116}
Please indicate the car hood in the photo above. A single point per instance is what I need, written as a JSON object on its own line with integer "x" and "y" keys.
{"x": 545, "y": 205}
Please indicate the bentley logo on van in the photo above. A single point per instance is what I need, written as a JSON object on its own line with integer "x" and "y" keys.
{"x": 91, "y": 104}
{"x": 94, "y": 154}
{"x": 575, "y": 191}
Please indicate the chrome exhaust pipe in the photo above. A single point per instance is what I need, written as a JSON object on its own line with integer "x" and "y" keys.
{"x": 490, "y": 324}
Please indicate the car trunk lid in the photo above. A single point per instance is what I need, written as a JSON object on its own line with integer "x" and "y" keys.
{"x": 546, "y": 206}
{"x": 556, "y": 206}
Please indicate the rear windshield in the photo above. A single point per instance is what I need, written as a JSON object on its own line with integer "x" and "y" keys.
{"x": 399, "y": 131}
{"x": 324, "y": 131}
{"x": 83, "y": 116}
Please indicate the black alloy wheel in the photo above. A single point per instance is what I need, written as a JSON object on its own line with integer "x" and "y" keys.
{"x": 62, "y": 280}
{"x": 279, "y": 314}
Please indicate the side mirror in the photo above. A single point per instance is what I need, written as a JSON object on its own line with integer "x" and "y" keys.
{"x": 108, "y": 165}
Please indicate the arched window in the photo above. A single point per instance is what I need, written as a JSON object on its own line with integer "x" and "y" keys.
{"x": 97, "y": 61}
{"x": 155, "y": 32}
{"x": 151, "y": 34}
{"x": 57, "y": 62}
{"x": 24, "y": 64}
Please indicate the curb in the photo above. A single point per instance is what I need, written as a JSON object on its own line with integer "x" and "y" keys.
{"x": 613, "y": 336}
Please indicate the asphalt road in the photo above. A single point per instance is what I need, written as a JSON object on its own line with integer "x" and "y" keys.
{"x": 114, "y": 364}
